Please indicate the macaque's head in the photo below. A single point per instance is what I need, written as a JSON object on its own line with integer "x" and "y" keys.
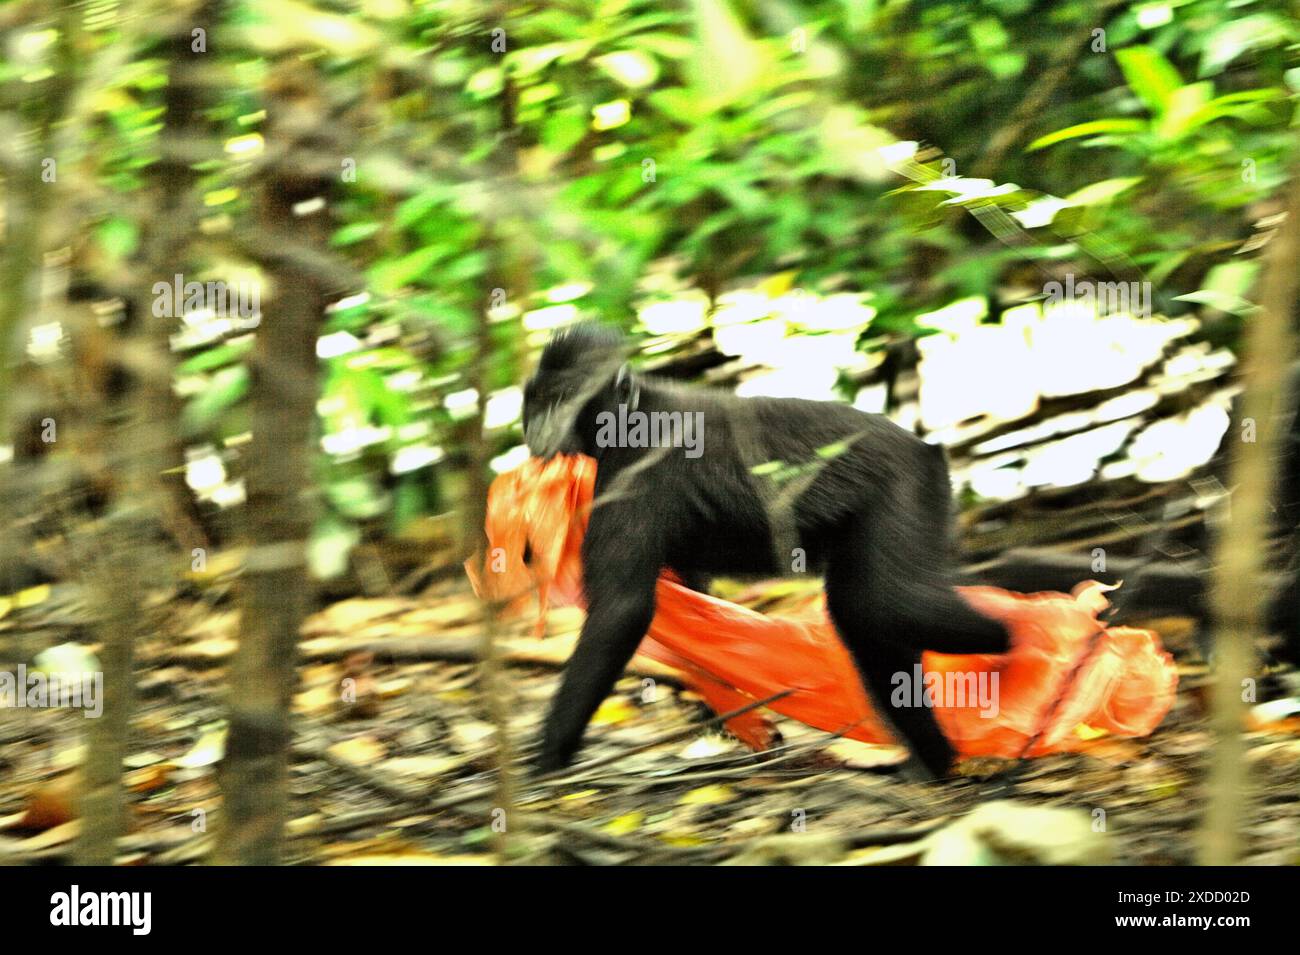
{"x": 581, "y": 368}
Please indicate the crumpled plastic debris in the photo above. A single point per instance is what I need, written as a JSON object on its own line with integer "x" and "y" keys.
{"x": 987, "y": 704}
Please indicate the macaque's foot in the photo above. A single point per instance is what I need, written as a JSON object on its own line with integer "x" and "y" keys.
{"x": 543, "y": 763}
{"x": 916, "y": 771}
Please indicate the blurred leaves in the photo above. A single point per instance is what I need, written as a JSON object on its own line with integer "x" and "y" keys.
{"x": 648, "y": 154}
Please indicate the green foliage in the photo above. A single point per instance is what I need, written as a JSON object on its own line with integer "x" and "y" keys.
{"x": 510, "y": 151}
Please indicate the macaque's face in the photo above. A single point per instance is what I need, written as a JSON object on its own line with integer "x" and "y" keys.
{"x": 551, "y": 405}
{"x": 576, "y": 371}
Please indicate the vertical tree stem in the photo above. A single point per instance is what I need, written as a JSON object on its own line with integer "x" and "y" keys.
{"x": 1237, "y": 594}
{"x": 277, "y": 588}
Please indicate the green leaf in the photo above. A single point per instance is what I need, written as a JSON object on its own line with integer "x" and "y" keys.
{"x": 630, "y": 68}
{"x": 360, "y": 395}
{"x": 392, "y": 276}
{"x": 214, "y": 358}
{"x": 666, "y": 45}
{"x": 1005, "y": 65}
{"x": 292, "y": 24}
{"x": 533, "y": 59}
{"x": 1094, "y": 127}
{"x": 727, "y": 64}
{"x": 988, "y": 35}
{"x": 773, "y": 107}
{"x": 1102, "y": 192}
{"x": 357, "y": 498}
{"x": 743, "y": 196}
{"x": 486, "y": 83}
{"x": 414, "y": 209}
{"x": 411, "y": 498}
{"x": 1233, "y": 278}
{"x": 118, "y": 237}
{"x": 540, "y": 93}
{"x": 678, "y": 104}
{"x": 1244, "y": 105}
{"x": 228, "y": 386}
{"x": 1232, "y": 304}
{"x": 1150, "y": 76}
{"x": 1186, "y": 111}
{"x": 1226, "y": 287}
{"x": 1239, "y": 35}
{"x": 1167, "y": 265}
{"x": 563, "y": 130}
{"x": 466, "y": 267}
{"x": 451, "y": 318}
{"x": 1248, "y": 96}
{"x": 354, "y": 233}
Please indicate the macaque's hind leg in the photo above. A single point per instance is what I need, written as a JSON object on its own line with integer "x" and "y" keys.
{"x": 889, "y": 600}
{"x": 882, "y": 659}
{"x": 896, "y": 551}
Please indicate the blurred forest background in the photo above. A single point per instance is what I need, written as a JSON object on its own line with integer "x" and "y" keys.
{"x": 272, "y": 274}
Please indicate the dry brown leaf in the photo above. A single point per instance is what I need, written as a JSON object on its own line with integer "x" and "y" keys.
{"x": 388, "y": 689}
{"x": 707, "y": 747}
{"x": 51, "y": 837}
{"x": 223, "y": 623}
{"x": 53, "y": 802}
{"x": 214, "y": 648}
{"x": 148, "y": 778}
{"x": 350, "y": 615}
{"x": 614, "y": 710}
{"x": 1275, "y": 716}
{"x": 412, "y": 858}
{"x": 858, "y": 755}
{"x": 422, "y": 767}
{"x": 208, "y": 751}
{"x": 318, "y": 700}
{"x": 468, "y": 735}
{"x": 625, "y": 824}
{"x": 1284, "y": 753}
{"x": 710, "y": 795}
{"x": 360, "y": 750}
{"x": 1112, "y": 751}
{"x": 449, "y": 613}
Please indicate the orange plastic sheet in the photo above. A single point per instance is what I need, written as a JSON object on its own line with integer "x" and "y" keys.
{"x": 988, "y": 705}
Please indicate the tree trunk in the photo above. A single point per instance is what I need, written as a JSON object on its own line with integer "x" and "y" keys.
{"x": 143, "y": 448}
{"x": 276, "y": 586}
{"x": 1238, "y": 594}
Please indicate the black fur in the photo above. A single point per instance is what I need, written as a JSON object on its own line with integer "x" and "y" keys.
{"x": 875, "y": 516}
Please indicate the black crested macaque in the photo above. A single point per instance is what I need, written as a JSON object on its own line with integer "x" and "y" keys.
{"x": 873, "y": 511}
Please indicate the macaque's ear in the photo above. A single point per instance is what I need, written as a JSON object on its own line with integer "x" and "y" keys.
{"x": 626, "y": 387}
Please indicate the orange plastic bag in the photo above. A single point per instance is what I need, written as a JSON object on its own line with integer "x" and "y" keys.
{"x": 988, "y": 705}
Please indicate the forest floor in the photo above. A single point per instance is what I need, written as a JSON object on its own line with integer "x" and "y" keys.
{"x": 398, "y": 770}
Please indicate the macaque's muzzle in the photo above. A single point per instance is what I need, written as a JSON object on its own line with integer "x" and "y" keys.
{"x": 551, "y": 433}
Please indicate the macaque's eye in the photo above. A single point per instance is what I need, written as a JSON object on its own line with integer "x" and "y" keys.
{"x": 528, "y": 552}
